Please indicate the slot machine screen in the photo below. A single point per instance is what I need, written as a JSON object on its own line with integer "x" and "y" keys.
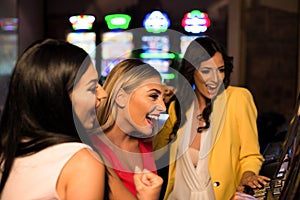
{"x": 8, "y": 44}
{"x": 156, "y": 52}
{"x": 115, "y": 47}
{"x": 85, "y": 40}
{"x": 184, "y": 42}
{"x": 8, "y": 52}
{"x": 155, "y": 44}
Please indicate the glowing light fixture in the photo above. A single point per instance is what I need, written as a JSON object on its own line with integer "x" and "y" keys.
{"x": 82, "y": 22}
{"x": 156, "y": 22}
{"x": 195, "y": 22}
{"x": 157, "y": 55}
{"x": 8, "y": 24}
{"x": 117, "y": 21}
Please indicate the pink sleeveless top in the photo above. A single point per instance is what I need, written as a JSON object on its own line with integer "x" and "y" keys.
{"x": 35, "y": 176}
{"x": 124, "y": 174}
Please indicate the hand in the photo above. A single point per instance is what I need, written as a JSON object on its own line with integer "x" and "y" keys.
{"x": 253, "y": 180}
{"x": 242, "y": 196}
{"x": 147, "y": 184}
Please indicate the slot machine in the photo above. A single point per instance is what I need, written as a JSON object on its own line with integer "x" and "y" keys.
{"x": 82, "y": 35}
{"x": 155, "y": 44}
{"x": 195, "y": 23}
{"x": 285, "y": 179}
{"x": 8, "y": 54}
{"x": 8, "y": 44}
{"x": 116, "y": 44}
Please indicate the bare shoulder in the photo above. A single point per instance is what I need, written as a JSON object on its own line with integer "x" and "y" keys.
{"x": 85, "y": 157}
{"x": 82, "y": 177}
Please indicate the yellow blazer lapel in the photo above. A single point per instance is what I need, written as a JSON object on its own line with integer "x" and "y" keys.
{"x": 218, "y": 117}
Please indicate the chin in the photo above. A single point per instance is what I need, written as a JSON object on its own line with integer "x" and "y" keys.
{"x": 89, "y": 125}
{"x": 150, "y": 133}
{"x": 144, "y": 132}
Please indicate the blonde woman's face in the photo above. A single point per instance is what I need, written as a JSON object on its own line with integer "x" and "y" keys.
{"x": 143, "y": 107}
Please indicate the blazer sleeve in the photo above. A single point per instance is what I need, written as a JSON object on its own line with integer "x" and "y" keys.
{"x": 250, "y": 156}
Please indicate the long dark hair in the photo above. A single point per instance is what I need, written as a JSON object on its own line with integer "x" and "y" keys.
{"x": 199, "y": 50}
{"x": 38, "y": 111}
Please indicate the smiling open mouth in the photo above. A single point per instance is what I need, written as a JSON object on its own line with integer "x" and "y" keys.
{"x": 212, "y": 89}
{"x": 151, "y": 118}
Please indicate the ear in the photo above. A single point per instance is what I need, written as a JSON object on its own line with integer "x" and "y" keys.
{"x": 121, "y": 98}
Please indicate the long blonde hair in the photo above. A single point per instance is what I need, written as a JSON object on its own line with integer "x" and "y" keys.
{"x": 126, "y": 75}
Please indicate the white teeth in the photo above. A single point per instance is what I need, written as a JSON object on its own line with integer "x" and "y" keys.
{"x": 153, "y": 117}
{"x": 212, "y": 87}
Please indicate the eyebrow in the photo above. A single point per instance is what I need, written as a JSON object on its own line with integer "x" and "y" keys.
{"x": 155, "y": 90}
{"x": 92, "y": 81}
{"x": 209, "y": 67}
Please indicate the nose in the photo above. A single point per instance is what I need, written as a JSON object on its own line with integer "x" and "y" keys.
{"x": 215, "y": 76}
{"x": 161, "y": 107}
{"x": 100, "y": 94}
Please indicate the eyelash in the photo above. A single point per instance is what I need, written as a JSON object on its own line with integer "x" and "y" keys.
{"x": 154, "y": 96}
{"x": 93, "y": 89}
{"x": 221, "y": 70}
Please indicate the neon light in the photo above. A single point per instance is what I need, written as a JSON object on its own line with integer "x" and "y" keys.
{"x": 158, "y": 55}
{"x": 167, "y": 76}
{"x": 9, "y": 24}
{"x": 82, "y": 22}
{"x": 156, "y": 22}
{"x": 195, "y": 22}
{"x": 117, "y": 21}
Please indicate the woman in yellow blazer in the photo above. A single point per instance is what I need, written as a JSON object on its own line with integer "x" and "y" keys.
{"x": 211, "y": 131}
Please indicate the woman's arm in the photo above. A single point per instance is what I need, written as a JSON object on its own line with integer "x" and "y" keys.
{"x": 82, "y": 177}
{"x": 250, "y": 156}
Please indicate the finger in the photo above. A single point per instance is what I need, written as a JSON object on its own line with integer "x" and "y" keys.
{"x": 146, "y": 180}
{"x": 154, "y": 179}
{"x": 264, "y": 180}
{"x": 137, "y": 182}
{"x": 251, "y": 184}
{"x": 149, "y": 178}
{"x": 240, "y": 188}
{"x": 260, "y": 181}
{"x": 257, "y": 183}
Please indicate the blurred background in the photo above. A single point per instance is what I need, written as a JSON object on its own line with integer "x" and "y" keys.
{"x": 263, "y": 36}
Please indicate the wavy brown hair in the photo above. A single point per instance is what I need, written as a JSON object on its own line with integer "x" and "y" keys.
{"x": 199, "y": 50}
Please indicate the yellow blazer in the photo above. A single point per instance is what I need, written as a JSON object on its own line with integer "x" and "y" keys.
{"x": 235, "y": 146}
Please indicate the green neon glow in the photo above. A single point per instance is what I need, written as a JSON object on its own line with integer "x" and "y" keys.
{"x": 168, "y": 76}
{"x": 158, "y": 55}
{"x": 117, "y": 21}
